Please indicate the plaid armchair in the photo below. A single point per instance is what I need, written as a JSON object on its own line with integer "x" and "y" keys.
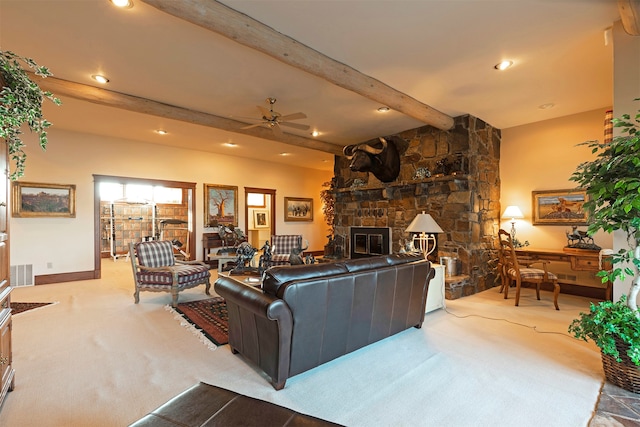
{"x": 156, "y": 269}
{"x": 281, "y": 246}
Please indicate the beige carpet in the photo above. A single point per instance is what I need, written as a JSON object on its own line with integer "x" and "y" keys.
{"x": 98, "y": 359}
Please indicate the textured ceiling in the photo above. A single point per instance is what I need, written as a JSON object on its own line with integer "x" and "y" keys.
{"x": 439, "y": 52}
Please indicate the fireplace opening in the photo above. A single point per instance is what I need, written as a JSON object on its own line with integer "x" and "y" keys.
{"x": 369, "y": 241}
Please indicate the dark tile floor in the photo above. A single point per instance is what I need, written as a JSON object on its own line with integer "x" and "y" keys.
{"x": 616, "y": 408}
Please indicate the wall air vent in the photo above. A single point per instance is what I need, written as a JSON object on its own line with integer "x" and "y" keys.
{"x": 22, "y": 275}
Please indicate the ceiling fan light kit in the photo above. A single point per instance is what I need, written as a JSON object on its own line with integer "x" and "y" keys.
{"x": 273, "y": 119}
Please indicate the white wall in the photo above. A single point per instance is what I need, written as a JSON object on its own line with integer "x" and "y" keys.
{"x": 542, "y": 156}
{"x": 72, "y": 158}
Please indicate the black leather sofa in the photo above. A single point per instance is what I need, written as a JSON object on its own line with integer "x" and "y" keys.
{"x": 205, "y": 405}
{"x": 307, "y": 315}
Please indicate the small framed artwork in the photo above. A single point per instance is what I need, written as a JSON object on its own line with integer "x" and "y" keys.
{"x": 559, "y": 207}
{"x": 220, "y": 205}
{"x": 298, "y": 209}
{"x": 30, "y": 199}
{"x": 261, "y": 218}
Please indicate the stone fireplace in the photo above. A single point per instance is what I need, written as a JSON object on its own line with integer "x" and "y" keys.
{"x": 452, "y": 175}
{"x": 369, "y": 241}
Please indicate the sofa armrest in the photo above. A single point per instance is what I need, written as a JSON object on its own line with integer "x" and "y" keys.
{"x": 260, "y": 327}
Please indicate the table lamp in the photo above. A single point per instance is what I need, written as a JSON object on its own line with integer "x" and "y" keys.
{"x": 426, "y": 226}
{"x": 514, "y": 213}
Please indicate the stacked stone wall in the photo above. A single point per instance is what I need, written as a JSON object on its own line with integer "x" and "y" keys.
{"x": 454, "y": 176}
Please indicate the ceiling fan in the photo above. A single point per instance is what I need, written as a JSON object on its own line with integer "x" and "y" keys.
{"x": 273, "y": 120}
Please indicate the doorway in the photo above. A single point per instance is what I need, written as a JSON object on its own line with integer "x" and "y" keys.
{"x": 185, "y": 208}
{"x": 259, "y": 215}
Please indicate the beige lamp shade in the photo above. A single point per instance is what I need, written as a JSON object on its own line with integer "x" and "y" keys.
{"x": 512, "y": 212}
{"x": 424, "y": 224}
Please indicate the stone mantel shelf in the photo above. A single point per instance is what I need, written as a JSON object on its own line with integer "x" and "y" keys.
{"x": 429, "y": 180}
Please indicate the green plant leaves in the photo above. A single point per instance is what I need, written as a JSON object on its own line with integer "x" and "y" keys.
{"x": 612, "y": 182}
{"x": 21, "y": 103}
{"x": 606, "y": 321}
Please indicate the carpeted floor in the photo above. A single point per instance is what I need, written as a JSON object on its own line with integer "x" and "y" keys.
{"x": 209, "y": 317}
{"x": 482, "y": 362}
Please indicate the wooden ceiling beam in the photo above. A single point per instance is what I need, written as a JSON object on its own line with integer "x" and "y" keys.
{"x": 630, "y": 16}
{"x": 146, "y": 106}
{"x": 217, "y": 17}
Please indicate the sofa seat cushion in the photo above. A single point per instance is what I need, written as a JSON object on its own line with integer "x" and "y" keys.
{"x": 206, "y": 405}
{"x": 187, "y": 275}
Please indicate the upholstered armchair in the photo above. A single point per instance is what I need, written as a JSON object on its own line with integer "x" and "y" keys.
{"x": 281, "y": 246}
{"x": 156, "y": 269}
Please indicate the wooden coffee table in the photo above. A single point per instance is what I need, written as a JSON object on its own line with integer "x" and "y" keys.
{"x": 252, "y": 280}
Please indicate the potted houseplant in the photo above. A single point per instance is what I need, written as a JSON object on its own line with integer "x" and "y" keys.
{"x": 21, "y": 103}
{"x": 612, "y": 182}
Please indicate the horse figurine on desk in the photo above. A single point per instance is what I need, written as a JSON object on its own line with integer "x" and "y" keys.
{"x": 580, "y": 239}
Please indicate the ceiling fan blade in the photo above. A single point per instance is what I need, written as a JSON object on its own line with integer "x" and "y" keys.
{"x": 276, "y": 129}
{"x": 252, "y": 126}
{"x": 294, "y": 116}
{"x": 295, "y": 125}
{"x": 265, "y": 113}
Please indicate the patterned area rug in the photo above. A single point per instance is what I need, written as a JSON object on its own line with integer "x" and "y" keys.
{"x": 209, "y": 317}
{"x": 21, "y": 307}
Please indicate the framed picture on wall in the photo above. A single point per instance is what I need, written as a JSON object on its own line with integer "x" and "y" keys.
{"x": 559, "y": 207}
{"x": 30, "y": 199}
{"x": 220, "y": 205}
{"x": 260, "y": 218}
{"x": 298, "y": 209}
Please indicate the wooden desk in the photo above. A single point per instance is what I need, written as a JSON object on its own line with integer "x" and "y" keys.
{"x": 210, "y": 241}
{"x": 580, "y": 260}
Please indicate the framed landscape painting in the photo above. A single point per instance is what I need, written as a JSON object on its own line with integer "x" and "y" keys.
{"x": 220, "y": 205}
{"x": 30, "y": 200}
{"x": 298, "y": 209}
{"x": 559, "y": 207}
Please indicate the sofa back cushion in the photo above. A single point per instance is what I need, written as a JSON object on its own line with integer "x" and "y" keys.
{"x": 275, "y": 277}
{"x": 156, "y": 253}
{"x": 370, "y": 263}
{"x": 335, "y": 315}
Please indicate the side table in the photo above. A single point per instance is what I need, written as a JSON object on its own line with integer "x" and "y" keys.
{"x": 222, "y": 259}
{"x": 435, "y": 296}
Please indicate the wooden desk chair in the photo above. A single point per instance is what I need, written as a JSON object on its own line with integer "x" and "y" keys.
{"x": 519, "y": 270}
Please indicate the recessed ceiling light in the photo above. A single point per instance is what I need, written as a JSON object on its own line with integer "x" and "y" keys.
{"x": 229, "y": 144}
{"x": 315, "y": 133}
{"x": 384, "y": 109}
{"x": 100, "y": 78}
{"x": 285, "y": 154}
{"x": 125, "y": 4}
{"x": 503, "y": 65}
{"x": 546, "y": 106}
{"x": 161, "y": 132}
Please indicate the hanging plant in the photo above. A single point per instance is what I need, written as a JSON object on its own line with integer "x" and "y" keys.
{"x": 21, "y": 103}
